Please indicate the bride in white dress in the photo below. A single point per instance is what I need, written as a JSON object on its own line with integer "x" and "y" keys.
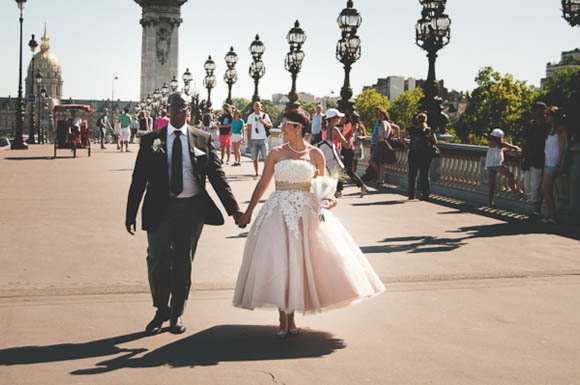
{"x": 293, "y": 260}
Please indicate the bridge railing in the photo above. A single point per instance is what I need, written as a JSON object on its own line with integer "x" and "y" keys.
{"x": 460, "y": 173}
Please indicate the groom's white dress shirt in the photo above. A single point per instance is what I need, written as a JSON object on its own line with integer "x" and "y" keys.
{"x": 190, "y": 187}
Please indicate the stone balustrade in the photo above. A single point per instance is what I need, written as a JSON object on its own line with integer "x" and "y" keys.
{"x": 460, "y": 173}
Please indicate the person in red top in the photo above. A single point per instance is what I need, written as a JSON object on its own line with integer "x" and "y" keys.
{"x": 162, "y": 121}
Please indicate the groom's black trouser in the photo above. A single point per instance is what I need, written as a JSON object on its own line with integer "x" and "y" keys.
{"x": 170, "y": 254}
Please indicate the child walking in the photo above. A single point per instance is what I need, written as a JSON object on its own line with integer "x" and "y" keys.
{"x": 494, "y": 162}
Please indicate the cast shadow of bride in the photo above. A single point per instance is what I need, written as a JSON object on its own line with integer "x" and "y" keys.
{"x": 221, "y": 343}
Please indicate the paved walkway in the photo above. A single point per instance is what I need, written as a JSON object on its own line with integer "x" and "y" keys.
{"x": 472, "y": 298}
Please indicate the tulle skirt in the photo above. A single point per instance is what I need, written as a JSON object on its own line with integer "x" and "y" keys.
{"x": 316, "y": 268}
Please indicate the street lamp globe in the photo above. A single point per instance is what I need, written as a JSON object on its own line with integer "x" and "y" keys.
{"x": 349, "y": 18}
{"x": 257, "y": 48}
{"x": 257, "y": 69}
{"x": 149, "y": 99}
{"x": 33, "y": 44}
{"x": 38, "y": 78}
{"x": 187, "y": 77}
{"x": 231, "y": 58}
{"x": 231, "y": 75}
{"x": 173, "y": 84}
{"x": 164, "y": 89}
{"x": 21, "y": 4}
{"x": 296, "y": 35}
{"x": 156, "y": 95}
{"x": 209, "y": 81}
{"x": 209, "y": 65}
{"x": 43, "y": 93}
{"x": 571, "y": 11}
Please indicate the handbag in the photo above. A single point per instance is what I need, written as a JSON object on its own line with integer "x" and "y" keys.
{"x": 334, "y": 163}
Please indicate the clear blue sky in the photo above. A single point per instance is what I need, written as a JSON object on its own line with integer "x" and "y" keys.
{"x": 95, "y": 39}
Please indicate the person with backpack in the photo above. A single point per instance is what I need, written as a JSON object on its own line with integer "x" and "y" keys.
{"x": 102, "y": 125}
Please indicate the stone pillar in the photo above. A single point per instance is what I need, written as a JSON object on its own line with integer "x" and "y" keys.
{"x": 160, "y": 42}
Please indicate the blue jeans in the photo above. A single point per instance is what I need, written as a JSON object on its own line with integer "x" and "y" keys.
{"x": 259, "y": 146}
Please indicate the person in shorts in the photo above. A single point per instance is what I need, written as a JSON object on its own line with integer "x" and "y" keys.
{"x": 102, "y": 125}
{"x": 225, "y": 127}
{"x": 494, "y": 163}
{"x": 237, "y": 136}
{"x": 125, "y": 129}
{"x": 258, "y": 129}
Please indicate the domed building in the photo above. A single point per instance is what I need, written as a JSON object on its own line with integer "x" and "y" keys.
{"x": 47, "y": 64}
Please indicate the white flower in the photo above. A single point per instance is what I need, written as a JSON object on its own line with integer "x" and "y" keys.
{"x": 158, "y": 145}
{"x": 323, "y": 187}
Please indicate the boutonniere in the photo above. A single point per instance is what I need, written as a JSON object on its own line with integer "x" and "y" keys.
{"x": 158, "y": 146}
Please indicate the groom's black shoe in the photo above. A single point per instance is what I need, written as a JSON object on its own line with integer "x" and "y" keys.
{"x": 176, "y": 326}
{"x": 154, "y": 326}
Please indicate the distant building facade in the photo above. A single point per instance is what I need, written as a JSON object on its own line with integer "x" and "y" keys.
{"x": 47, "y": 64}
{"x": 393, "y": 86}
{"x": 569, "y": 59}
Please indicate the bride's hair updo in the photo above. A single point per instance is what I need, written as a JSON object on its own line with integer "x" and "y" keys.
{"x": 298, "y": 115}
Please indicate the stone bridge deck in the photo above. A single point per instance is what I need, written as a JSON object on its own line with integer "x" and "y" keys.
{"x": 474, "y": 296}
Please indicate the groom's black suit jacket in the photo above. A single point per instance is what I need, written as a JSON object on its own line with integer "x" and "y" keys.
{"x": 151, "y": 174}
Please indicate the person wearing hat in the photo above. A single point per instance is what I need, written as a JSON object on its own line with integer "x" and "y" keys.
{"x": 533, "y": 143}
{"x": 494, "y": 162}
{"x": 333, "y": 117}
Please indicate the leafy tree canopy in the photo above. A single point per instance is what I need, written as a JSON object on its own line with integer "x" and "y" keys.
{"x": 365, "y": 105}
{"x": 405, "y": 106}
{"x": 498, "y": 101}
{"x": 240, "y": 103}
{"x": 562, "y": 89}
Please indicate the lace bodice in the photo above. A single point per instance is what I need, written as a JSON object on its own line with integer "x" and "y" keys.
{"x": 290, "y": 202}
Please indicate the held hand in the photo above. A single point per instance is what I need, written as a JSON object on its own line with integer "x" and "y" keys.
{"x": 130, "y": 226}
{"x": 332, "y": 202}
{"x": 237, "y": 215}
{"x": 244, "y": 219}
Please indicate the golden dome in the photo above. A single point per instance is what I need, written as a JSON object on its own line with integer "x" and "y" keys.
{"x": 45, "y": 60}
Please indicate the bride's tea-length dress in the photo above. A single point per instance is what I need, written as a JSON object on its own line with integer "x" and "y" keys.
{"x": 295, "y": 262}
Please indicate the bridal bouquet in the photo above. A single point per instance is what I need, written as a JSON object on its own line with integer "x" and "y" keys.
{"x": 323, "y": 187}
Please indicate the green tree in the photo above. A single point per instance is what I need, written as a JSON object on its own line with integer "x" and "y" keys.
{"x": 365, "y": 104}
{"x": 307, "y": 106}
{"x": 562, "y": 89}
{"x": 405, "y": 106}
{"x": 240, "y": 103}
{"x": 498, "y": 101}
{"x": 273, "y": 111}
{"x": 331, "y": 103}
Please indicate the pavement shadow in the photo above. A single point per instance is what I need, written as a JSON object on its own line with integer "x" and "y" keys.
{"x": 430, "y": 244}
{"x": 381, "y": 203}
{"x": 30, "y": 158}
{"x": 25, "y": 355}
{"x": 226, "y": 343}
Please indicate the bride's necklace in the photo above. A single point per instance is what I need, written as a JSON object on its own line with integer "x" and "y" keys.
{"x": 295, "y": 150}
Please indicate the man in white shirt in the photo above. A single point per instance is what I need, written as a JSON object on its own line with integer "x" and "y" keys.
{"x": 258, "y": 128}
{"x": 316, "y": 131}
{"x": 171, "y": 169}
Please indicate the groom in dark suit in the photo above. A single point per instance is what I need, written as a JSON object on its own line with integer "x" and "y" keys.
{"x": 172, "y": 165}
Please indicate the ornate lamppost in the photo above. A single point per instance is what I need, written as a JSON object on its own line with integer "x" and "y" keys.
{"x": 571, "y": 11}
{"x": 32, "y": 44}
{"x": 432, "y": 33}
{"x": 42, "y": 138}
{"x": 38, "y": 79}
{"x": 173, "y": 84}
{"x": 164, "y": 96}
{"x": 18, "y": 143}
{"x": 293, "y": 62}
{"x": 348, "y": 51}
{"x": 231, "y": 75}
{"x": 189, "y": 89}
{"x": 257, "y": 68}
{"x": 209, "y": 80}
